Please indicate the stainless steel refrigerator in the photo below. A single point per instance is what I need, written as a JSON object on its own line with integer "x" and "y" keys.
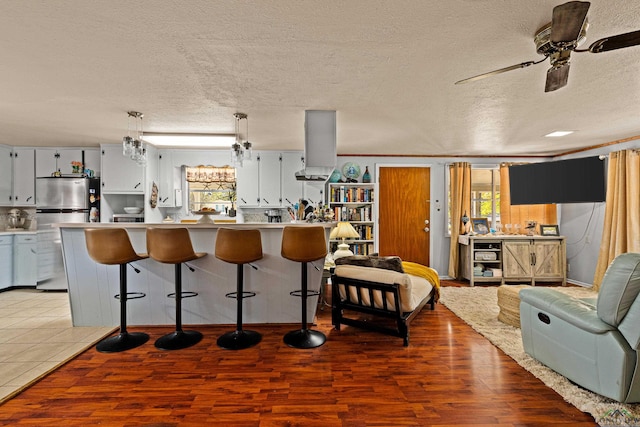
{"x": 60, "y": 200}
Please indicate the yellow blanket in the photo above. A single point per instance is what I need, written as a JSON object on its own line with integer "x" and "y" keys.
{"x": 426, "y": 272}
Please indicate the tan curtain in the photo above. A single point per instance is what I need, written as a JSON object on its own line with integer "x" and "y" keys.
{"x": 460, "y": 185}
{"x": 621, "y": 231}
{"x": 520, "y": 214}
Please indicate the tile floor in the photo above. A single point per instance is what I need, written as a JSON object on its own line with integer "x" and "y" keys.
{"x": 36, "y": 336}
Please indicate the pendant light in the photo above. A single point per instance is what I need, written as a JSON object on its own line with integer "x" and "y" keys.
{"x": 241, "y": 149}
{"x": 134, "y": 147}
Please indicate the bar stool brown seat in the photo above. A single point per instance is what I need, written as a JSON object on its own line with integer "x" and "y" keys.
{"x": 304, "y": 245}
{"x": 111, "y": 246}
{"x": 240, "y": 247}
{"x": 173, "y": 246}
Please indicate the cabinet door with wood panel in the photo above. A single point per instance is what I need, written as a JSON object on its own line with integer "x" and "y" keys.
{"x": 516, "y": 256}
{"x": 534, "y": 259}
{"x": 549, "y": 259}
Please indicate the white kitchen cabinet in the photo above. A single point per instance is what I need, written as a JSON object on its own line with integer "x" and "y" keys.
{"x": 120, "y": 174}
{"x": 292, "y": 189}
{"x": 169, "y": 180}
{"x": 24, "y": 183}
{"x": 50, "y": 160}
{"x": 25, "y": 260}
{"x": 92, "y": 160}
{"x": 6, "y": 261}
{"x": 6, "y": 176}
{"x": 270, "y": 183}
{"x": 314, "y": 192}
{"x": 247, "y": 184}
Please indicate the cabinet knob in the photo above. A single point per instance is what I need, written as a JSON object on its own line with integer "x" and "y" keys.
{"x": 265, "y": 200}
{"x": 426, "y": 221}
{"x": 426, "y": 229}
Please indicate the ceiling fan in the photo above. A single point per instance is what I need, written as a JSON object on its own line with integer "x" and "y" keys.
{"x": 559, "y": 38}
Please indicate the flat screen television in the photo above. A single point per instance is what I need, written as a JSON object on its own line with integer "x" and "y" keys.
{"x": 564, "y": 181}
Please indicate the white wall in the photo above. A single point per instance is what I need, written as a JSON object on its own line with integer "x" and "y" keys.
{"x": 440, "y": 241}
{"x": 582, "y": 224}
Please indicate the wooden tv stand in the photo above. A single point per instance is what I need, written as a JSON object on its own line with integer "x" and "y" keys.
{"x": 513, "y": 258}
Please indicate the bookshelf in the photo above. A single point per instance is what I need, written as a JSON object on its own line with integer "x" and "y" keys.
{"x": 354, "y": 203}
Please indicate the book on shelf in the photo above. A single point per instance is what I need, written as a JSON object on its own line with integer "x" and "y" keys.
{"x": 344, "y": 194}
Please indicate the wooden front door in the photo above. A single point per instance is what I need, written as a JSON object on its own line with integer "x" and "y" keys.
{"x": 404, "y": 213}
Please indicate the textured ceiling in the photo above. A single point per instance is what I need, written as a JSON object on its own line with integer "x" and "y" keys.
{"x": 70, "y": 70}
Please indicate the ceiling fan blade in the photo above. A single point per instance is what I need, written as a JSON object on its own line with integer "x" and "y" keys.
{"x": 615, "y": 42}
{"x": 494, "y": 72}
{"x": 567, "y": 22}
{"x": 557, "y": 77}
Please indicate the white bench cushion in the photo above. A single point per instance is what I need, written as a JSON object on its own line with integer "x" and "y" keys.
{"x": 413, "y": 289}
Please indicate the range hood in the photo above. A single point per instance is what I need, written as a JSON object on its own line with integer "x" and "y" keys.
{"x": 319, "y": 146}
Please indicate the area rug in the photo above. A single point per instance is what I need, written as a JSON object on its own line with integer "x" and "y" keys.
{"x": 478, "y": 307}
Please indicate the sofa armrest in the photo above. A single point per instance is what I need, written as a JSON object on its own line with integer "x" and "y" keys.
{"x": 572, "y": 310}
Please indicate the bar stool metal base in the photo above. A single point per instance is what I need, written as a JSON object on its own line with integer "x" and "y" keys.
{"x": 178, "y": 340}
{"x": 122, "y": 342}
{"x": 238, "y": 340}
{"x": 304, "y": 338}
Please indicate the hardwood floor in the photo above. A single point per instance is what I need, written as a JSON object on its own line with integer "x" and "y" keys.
{"x": 448, "y": 376}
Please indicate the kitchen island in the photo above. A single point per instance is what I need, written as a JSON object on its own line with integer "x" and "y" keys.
{"x": 92, "y": 286}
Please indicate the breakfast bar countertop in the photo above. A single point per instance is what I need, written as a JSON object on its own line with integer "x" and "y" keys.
{"x": 190, "y": 225}
{"x": 92, "y": 286}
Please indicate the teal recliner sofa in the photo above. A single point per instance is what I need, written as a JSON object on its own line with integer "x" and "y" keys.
{"x": 594, "y": 345}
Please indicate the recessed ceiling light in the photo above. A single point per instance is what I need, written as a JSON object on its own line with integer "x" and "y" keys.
{"x": 213, "y": 140}
{"x": 559, "y": 133}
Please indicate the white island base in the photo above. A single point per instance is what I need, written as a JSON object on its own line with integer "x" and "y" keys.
{"x": 92, "y": 286}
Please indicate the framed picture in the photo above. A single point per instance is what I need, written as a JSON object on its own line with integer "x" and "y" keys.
{"x": 549, "y": 230}
{"x": 480, "y": 225}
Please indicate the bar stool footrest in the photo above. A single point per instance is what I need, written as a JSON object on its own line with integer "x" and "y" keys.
{"x": 238, "y": 340}
{"x": 178, "y": 340}
{"x": 245, "y": 294}
{"x": 185, "y": 294}
{"x": 304, "y": 338}
{"x": 298, "y": 293}
{"x": 122, "y": 342}
{"x": 132, "y": 295}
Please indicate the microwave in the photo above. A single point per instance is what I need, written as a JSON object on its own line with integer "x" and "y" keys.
{"x": 128, "y": 218}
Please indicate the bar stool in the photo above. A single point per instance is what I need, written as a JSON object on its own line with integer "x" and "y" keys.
{"x": 239, "y": 247}
{"x": 173, "y": 246}
{"x": 304, "y": 244}
{"x": 111, "y": 246}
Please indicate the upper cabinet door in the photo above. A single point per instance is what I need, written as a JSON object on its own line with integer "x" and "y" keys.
{"x": 270, "y": 179}
{"x": 120, "y": 174}
{"x": 6, "y": 176}
{"x": 292, "y": 189}
{"x": 50, "y": 160}
{"x": 247, "y": 184}
{"x": 24, "y": 183}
